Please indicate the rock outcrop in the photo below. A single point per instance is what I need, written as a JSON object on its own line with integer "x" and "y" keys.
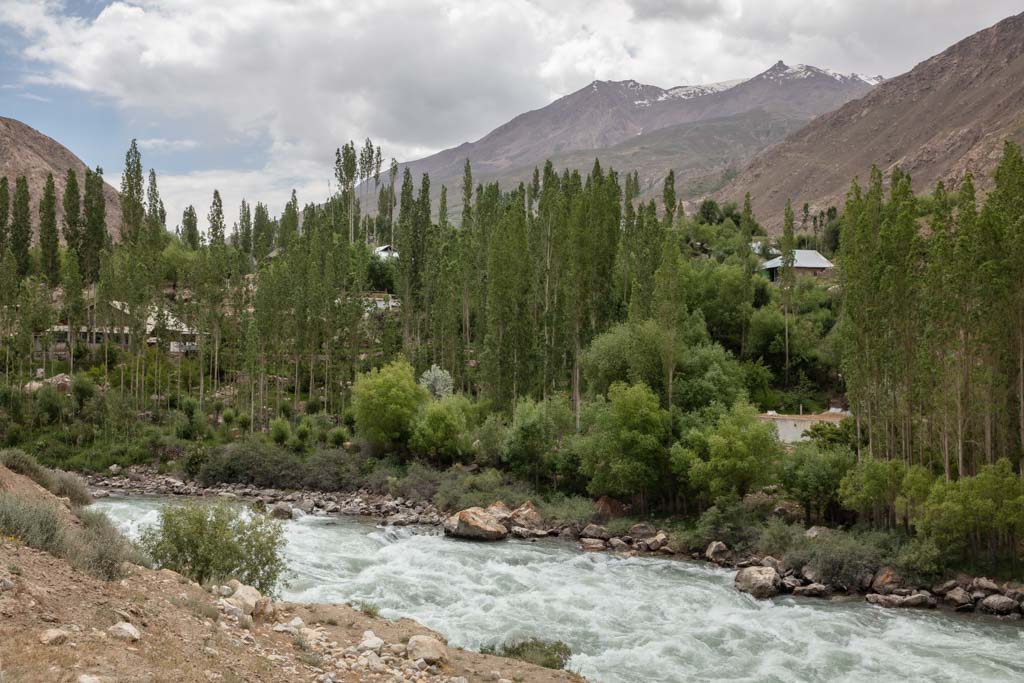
{"x": 475, "y": 523}
{"x": 761, "y": 582}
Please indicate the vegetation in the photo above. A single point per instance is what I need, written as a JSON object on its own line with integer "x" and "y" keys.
{"x": 551, "y": 654}
{"x": 217, "y": 543}
{"x": 558, "y": 341}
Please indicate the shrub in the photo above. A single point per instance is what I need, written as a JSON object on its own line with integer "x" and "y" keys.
{"x": 228, "y": 416}
{"x": 195, "y": 457}
{"x": 70, "y": 486}
{"x": 82, "y": 389}
{"x": 217, "y": 543}
{"x": 100, "y": 549}
{"x": 460, "y": 489}
{"x": 727, "y": 521}
{"x": 21, "y": 462}
{"x": 337, "y": 437}
{"x": 841, "y": 558}
{"x": 243, "y": 421}
{"x": 489, "y": 441}
{"x": 419, "y": 483}
{"x": 280, "y": 431}
{"x": 551, "y": 654}
{"x": 439, "y": 430}
{"x": 561, "y": 510}
{"x": 384, "y": 401}
{"x": 437, "y": 381}
{"x": 49, "y": 406}
{"x": 36, "y": 524}
{"x": 777, "y": 537}
{"x": 920, "y": 559}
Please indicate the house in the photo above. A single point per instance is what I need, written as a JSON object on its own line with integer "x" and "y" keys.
{"x": 792, "y": 428}
{"x": 113, "y": 322}
{"x": 385, "y": 252}
{"x": 805, "y": 262}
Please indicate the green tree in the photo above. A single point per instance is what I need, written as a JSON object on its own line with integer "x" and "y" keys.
{"x": 49, "y": 242}
{"x": 5, "y": 209}
{"x": 72, "y": 219}
{"x": 21, "y": 227}
{"x": 384, "y": 402}
{"x": 190, "y": 228}
{"x": 812, "y": 476}
{"x": 74, "y": 303}
{"x": 95, "y": 238}
{"x": 787, "y": 276}
{"x": 156, "y": 215}
{"x": 215, "y": 218}
{"x": 133, "y": 211}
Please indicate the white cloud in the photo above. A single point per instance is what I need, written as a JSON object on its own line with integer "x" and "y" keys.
{"x": 293, "y": 81}
{"x": 165, "y": 145}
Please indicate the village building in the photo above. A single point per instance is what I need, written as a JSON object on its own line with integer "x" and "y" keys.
{"x": 805, "y": 262}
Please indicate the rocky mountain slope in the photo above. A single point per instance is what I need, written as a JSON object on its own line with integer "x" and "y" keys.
{"x": 605, "y": 114}
{"x": 25, "y": 151}
{"x": 950, "y": 114}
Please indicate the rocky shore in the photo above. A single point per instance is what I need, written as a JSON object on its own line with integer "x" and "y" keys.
{"x": 762, "y": 577}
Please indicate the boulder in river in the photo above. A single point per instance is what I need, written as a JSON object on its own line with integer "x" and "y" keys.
{"x": 886, "y": 581}
{"x": 592, "y": 544}
{"x": 281, "y": 510}
{"x": 642, "y": 530}
{"x": 999, "y": 604}
{"x": 814, "y": 590}
{"x": 475, "y": 523}
{"x": 985, "y": 585}
{"x": 761, "y": 582}
{"x": 718, "y": 552}
{"x": 500, "y": 512}
{"x": 959, "y": 599}
{"x": 525, "y": 516}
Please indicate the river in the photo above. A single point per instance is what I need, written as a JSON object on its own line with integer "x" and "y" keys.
{"x": 626, "y": 619}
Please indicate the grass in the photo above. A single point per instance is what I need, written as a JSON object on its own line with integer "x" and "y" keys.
{"x": 368, "y": 609}
{"x": 551, "y": 654}
{"x": 37, "y": 525}
{"x": 59, "y": 483}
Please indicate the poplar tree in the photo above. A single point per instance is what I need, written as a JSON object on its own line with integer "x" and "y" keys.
{"x": 5, "y": 209}
{"x": 190, "y": 228}
{"x": 49, "y": 242}
{"x": 245, "y": 227}
{"x": 74, "y": 303}
{"x": 156, "y": 215}
{"x": 787, "y": 277}
{"x": 288, "y": 227}
{"x": 133, "y": 211}
{"x": 215, "y": 218}
{"x": 21, "y": 227}
{"x": 72, "y": 219}
{"x": 95, "y": 238}
{"x": 669, "y": 197}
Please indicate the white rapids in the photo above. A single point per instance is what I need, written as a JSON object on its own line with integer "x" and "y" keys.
{"x": 626, "y": 619}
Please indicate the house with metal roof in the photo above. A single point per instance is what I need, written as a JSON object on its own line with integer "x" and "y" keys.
{"x": 805, "y": 262}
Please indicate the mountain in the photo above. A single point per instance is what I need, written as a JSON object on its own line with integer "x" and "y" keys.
{"x": 620, "y": 114}
{"x": 25, "y": 151}
{"x": 950, "y": 114}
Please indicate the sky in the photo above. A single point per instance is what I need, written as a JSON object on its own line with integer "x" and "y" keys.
{"x": 252, "y": 97}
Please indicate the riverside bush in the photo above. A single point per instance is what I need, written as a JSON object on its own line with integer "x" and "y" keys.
{"x": 217, "y": 543}
{"x": 59, "y": 483}
{"x": 551, "y": 654}
{"x": 727, "y": 521}
{"x": 37, "y": 524}
{"x": 100, "y": 549}
{"x": 841, "y": 557}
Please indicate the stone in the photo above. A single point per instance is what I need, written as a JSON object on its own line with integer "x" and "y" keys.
{"x": 114, "y": 469}
{"x": 125, "y": 631}
{"x": 790, "y": 583}
{"x": 595, "y": 531}
{"x": 281, "y": 510}
{"x": 264, "y": 607}
{"x": 618, "y": 545}
{"x": 769, "y": 561}
{"x": 642, "y": 530}
{"x": 592, "y": 544}
{"x": 245, "y": 599}
{"x": 761, "y": 582}
{"x": 53, "y": 636}
{"x": 87, "y": 678}
{"x": 886, "y": 581}
{"x": 475, "y": 523}
{"x": 884, "y": 600}
{"x": 943, "y": 588}
{"x": 499, "y": 511}
{"x": 526, "y": 516}
{"x": 917, "y": 600}
{"x": 717, "y": 552}
{"x": 959, "y": 599}
{"x": 523, "y": 532}
{"x": 814, "y": 590}
{"x": 985, "y": 584}
{"x": 6, "y": 584}
{"x": 657, "y": 542}
{"x": 999, "y": 604}
{"x": 816, "y": 531}
{"x": 430, "y": 650}
{"x": 370, "y": 643}
{"x": 807, "y": 571}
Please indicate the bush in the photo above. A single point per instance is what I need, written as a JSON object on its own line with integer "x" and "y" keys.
{"x": 489, "y": 441}
{"x": 727, "y": 521}
{"x": 337, "y": 437}
{"x": 70, "y": 486}
{"x": 280, "y": 431}
{"x": 551, "y": 654}
{"x": 384, "y": 401}
{"x": 100, "y": 549}
{"x": 437, "y": 381}
{"x": 777, "y": 537}
{"x": 419, "y": 483}
{"x": 217, "y": 543}
{"x": 460, "y": 489}
{"x": 841, "y": 558}
{"x": 920, "y": 559}
{"x": 439, "y": 430}
{"x": 228, "y": 416}
{"x": 562, "y": 510}
{"x": 36, "y": 524}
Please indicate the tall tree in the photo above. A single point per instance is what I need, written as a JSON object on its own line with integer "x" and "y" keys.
{"x": 94, "y": 238}
{"x": 133, "y": 210}
{"x": 49, "y": 242}
{"x": 215, "y": 218}
{"x": 72, "y": 220}
{"x": 21, "y": 227}
{"x": 245, "y": 227}
{"x": 74, "y": 303}
{"x": 787, "y": 276}
{"x": 156, "y": 215}
{"x": 5, "y": 209}
{"x": 190, "y": 228}
{"x": 669, "y": 197}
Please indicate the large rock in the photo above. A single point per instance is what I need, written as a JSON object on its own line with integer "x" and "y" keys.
{"x": 281, "y": 510}
{"x": 761, "y": 582}
{"x": 595, "y": 531}
{"x": 500, "y": 512}
{"x": 370, "y": 643}
{"x": 816, "y": 531}
{"x": 124, "y": 631}
{"x": 814, "y": 590}
{"x": 526, "y": 516}
{"x": 769, "y": 561}
{"x": 245, "y": 598}
{"x": 884, "y": 600}
{"x": 999, "y": 604}
{"x": 886, "y": 581}
{"x": 592, "y": 544}
{"x": 430, "y": 650}
{"x": 618, "y": 545}
{"x": 718, "y": 552}
{"x": 475, "y": 523}
{"x": 985, "y": 585}
{"x": 959, "y": 599}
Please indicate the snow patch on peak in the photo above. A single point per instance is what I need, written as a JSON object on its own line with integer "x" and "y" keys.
{"x": 686, "y": 92}
{"x": 781, "y": 71}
